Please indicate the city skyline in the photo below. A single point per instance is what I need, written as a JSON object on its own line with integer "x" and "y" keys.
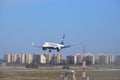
{"x": 58, "y": 58}
{"x": 65, "y": 55}
{"x": 95, "y": 23}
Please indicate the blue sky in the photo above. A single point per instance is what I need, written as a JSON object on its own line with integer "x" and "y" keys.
{"x": 95, "y": 23}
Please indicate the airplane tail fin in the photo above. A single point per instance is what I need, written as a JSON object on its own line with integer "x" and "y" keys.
{"x": 62, "y": 42}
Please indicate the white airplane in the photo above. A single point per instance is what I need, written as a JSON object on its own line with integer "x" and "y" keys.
{"x": 53, "y": 46}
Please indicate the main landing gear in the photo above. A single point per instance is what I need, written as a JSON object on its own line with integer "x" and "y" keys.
{"x": 50, "y": 50}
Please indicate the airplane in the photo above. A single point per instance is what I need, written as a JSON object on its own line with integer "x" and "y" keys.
{"x": 53, "y": 46}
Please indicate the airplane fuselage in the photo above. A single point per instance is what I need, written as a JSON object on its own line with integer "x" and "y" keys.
{"x": 49, "y": 45}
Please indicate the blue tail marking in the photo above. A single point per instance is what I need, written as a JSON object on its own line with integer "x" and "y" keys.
{"x": 62, "y": 42}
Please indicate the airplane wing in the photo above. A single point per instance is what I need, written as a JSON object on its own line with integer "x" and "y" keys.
{"x": 33, "y": 45}
{"x": 67, "y": 46}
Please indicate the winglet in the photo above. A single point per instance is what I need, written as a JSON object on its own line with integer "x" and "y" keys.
{"x": 33, "y": 44}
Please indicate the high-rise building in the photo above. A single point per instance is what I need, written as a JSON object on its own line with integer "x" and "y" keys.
{"x": 103, "y": 59}
{"x": 39, "y": 58}
{"x": 117, "y": 59}
{"x": 14, "y": 57}
{"x": 57, "y": 58}
{"x": 7, "y": 58}
{"x": 23, "y": 58}
{"x": 48, "y": 58}
{"x": 79, "y": 58}
{"x": 42, "y": 59}
{"x": 90, "y": 58}
{"x": 18, "y": 58}
{"x": 28, "y": 58}
{"x": 97, "y": 58}
{"x": 72, "y": 59}
{"x": 111, "y": 59}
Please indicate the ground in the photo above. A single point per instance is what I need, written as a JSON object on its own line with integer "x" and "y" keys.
{"x": 54, "y": 74}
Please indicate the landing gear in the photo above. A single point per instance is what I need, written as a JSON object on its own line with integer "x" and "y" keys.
{"x": 58, "y": 50}
{"x": 49, "y": 50}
